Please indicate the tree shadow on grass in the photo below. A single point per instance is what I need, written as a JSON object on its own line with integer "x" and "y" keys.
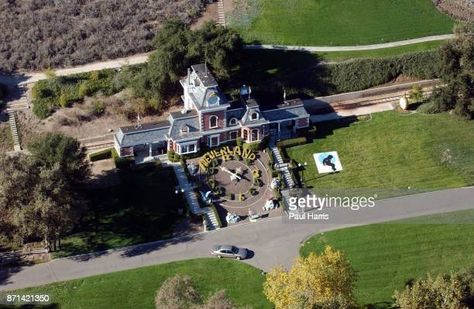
{"x": 270, "y": 73}
{"x": 327, "y": 128}
{"x": 142, "y": 208}
{"x": 157, "y": 245}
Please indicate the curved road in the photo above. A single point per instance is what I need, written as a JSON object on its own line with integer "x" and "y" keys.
{"x": 31, "y": 77}
{"x": 273, "y": 241}
{"x": 353, "y": 48}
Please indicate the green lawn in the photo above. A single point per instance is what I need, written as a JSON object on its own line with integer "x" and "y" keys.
{"x": 136, "y": 288}
{"x": 142, "y": 208}
{"x": 380, "y": 53}
{"x": 386, "y": 256}
{"x": 391, "y": 152}
{"x": 341, "y": 22}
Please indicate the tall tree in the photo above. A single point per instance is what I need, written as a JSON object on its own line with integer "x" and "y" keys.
{"x": 316, "y": 281}
{"x": 64, "y": 154}
{"x": 177, "y": 47}
{"x": 40, "y": 195}
{"x": 457, "y": 72}
{"x": 18, "y": 178}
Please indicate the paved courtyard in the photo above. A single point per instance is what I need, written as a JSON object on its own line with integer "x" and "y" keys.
{"x": 230, "y": 201}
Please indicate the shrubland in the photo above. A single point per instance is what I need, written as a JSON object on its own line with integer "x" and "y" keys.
{"x": 38, "y": 34}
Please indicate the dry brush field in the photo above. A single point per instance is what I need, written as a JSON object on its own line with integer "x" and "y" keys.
{"x": 460, "y": 9}
{"x": 37, "y": 34}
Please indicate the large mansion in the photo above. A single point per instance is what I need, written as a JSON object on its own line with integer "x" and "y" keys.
{"x": 208, "y": 118}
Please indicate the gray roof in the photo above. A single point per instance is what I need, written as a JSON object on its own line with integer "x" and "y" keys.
{"x": 201, "y": 97}
{"x": 288, "y": 110}
{"x": 204, "y": 75}
{"x": 247, "y": 119}
{"x": 189, "y": 121}
{"x": 146, "y": 133}
{"x": 235, "y": 113}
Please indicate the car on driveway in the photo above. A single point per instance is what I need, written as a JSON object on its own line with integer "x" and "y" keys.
{"x": 229, "y": 251}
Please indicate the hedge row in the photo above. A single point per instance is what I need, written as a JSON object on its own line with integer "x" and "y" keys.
{"x": 361, "y": 74}
{"x": 121, "y": 163}
{"x": 292, "y": 142}
{"x": 101, "y": 155}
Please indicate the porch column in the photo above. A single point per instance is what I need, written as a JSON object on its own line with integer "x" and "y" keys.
{"x": 150, "y": 150}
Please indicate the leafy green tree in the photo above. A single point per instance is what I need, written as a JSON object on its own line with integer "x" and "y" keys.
{"x": 457, "y": 72}
{"x": 41, "y": 194}
{"x": 19, "y": 175}
{"x": 54, "y": 149}
{"x": 178, "y": 47}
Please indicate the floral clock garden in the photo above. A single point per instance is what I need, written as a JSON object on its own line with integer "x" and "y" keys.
{"x": 237, "y": 181}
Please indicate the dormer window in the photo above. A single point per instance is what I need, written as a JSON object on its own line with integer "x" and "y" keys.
{"x": 213, "y": 121}
{"x": 233, "y": 121}
{"x": 185, "y": 129}
{"x": 254, "y": 116}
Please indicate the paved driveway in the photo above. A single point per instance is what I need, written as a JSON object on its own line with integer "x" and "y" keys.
{"x": 273, "y": 241}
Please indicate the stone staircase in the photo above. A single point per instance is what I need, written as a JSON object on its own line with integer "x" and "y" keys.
{"x": 220, "y": 13}
{"x": 18, "y": 99}
{"x": 210, "y": 216}
{"x": 282, "y": 166}
{"x": 14, "y": 130}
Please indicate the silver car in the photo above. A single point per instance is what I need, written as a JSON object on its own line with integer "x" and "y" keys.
{"x": 229, "y": 251}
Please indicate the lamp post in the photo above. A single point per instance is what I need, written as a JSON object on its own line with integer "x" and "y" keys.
{"x": 177, "y": 191}
{"x": 302, "y": 167}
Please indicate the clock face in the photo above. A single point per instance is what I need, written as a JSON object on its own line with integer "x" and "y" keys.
{"x": 235, "y": 176}
{"x": 213, "y": 99}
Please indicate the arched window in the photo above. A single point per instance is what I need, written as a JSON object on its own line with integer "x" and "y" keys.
{"x": 213, "y": 121}
{"x": 233, "y": 121}
{"x": 254, "y": 116}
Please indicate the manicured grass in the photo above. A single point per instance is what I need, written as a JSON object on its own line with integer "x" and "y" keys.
{"x": 142, "y": 208}
{"x": 391, "y": 152}
{"x": 386, "y": 256}
{"x": 341, "y": 22}
{"x": 380, "y": 53}
{"x": 137, "y": 288}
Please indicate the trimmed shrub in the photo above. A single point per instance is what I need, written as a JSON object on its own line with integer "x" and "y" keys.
{"x": 121, "y": 163}
{"x": 292, "y": 142}
{"x": 361, "y": 74}
{"x": 101, "y": 155}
